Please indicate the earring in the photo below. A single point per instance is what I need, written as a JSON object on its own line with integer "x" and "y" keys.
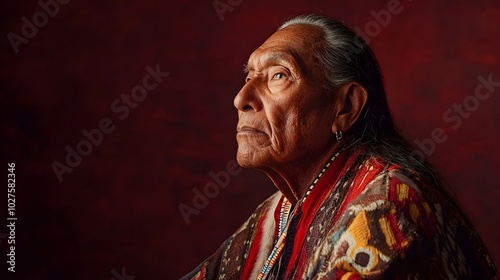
{"x": 338, "y": 135}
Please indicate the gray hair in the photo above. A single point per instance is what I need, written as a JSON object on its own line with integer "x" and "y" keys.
{"x": 339, "y": 51}
{"x": 345, "y": 58}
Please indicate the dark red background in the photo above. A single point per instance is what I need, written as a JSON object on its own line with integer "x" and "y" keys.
{"x": 119, "y": 207}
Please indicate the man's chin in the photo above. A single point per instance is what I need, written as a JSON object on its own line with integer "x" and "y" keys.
{"x": 248, "y": 159}
{"x": 245, "y": 162}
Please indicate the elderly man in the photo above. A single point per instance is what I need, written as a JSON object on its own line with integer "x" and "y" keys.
{"x": 353, "y": 201}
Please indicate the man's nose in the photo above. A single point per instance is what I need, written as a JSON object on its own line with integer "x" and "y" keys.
{"x": 248, "y": 98}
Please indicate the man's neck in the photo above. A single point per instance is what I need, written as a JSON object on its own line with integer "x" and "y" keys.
{"x": 294, "y": 180}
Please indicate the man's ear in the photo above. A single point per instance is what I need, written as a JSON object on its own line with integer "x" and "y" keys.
{"x": 351, "y": 99}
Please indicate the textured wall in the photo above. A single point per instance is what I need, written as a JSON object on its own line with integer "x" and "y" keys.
{"x": 118, "y": 208}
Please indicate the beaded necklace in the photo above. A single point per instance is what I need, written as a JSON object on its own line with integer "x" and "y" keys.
{"x": 286, "y": 206}
{"x": 283, "y": 223}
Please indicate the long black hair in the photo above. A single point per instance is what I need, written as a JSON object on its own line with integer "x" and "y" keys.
{"x": 345, "y": 57}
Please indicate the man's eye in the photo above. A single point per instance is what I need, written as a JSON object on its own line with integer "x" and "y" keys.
{"x": 278, "y": 76}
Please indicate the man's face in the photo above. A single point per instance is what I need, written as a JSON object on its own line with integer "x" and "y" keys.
{"x": 285, "y": 114}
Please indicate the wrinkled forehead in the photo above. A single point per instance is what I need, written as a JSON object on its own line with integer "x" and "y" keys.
{"x": 296, "y": 44}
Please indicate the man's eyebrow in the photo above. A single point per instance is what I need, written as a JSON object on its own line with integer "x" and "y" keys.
{"x": 272, "y": 58}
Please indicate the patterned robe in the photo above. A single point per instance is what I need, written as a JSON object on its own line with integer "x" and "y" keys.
{"x": 364, "y": 219}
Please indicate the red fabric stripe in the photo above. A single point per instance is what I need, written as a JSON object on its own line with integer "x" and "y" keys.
{"x": 310, "y": 208}
{"x": 398, "y": 234}
{"x": 277, "y": 213}
{"x": 320, "y": 193}
{"x": 255, "y": 245}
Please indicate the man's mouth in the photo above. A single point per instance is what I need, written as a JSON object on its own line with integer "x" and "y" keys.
{"x": 248, "y": 129}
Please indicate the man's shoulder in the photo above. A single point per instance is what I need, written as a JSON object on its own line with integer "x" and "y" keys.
{"x": 385, "y": 189}
{"x": 380, "y": 180}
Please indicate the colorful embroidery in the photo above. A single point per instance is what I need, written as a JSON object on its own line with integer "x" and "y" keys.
{"x": 380, "y": 224}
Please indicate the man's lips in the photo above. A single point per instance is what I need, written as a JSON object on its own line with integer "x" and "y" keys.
{"x": 248, "y": 129}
